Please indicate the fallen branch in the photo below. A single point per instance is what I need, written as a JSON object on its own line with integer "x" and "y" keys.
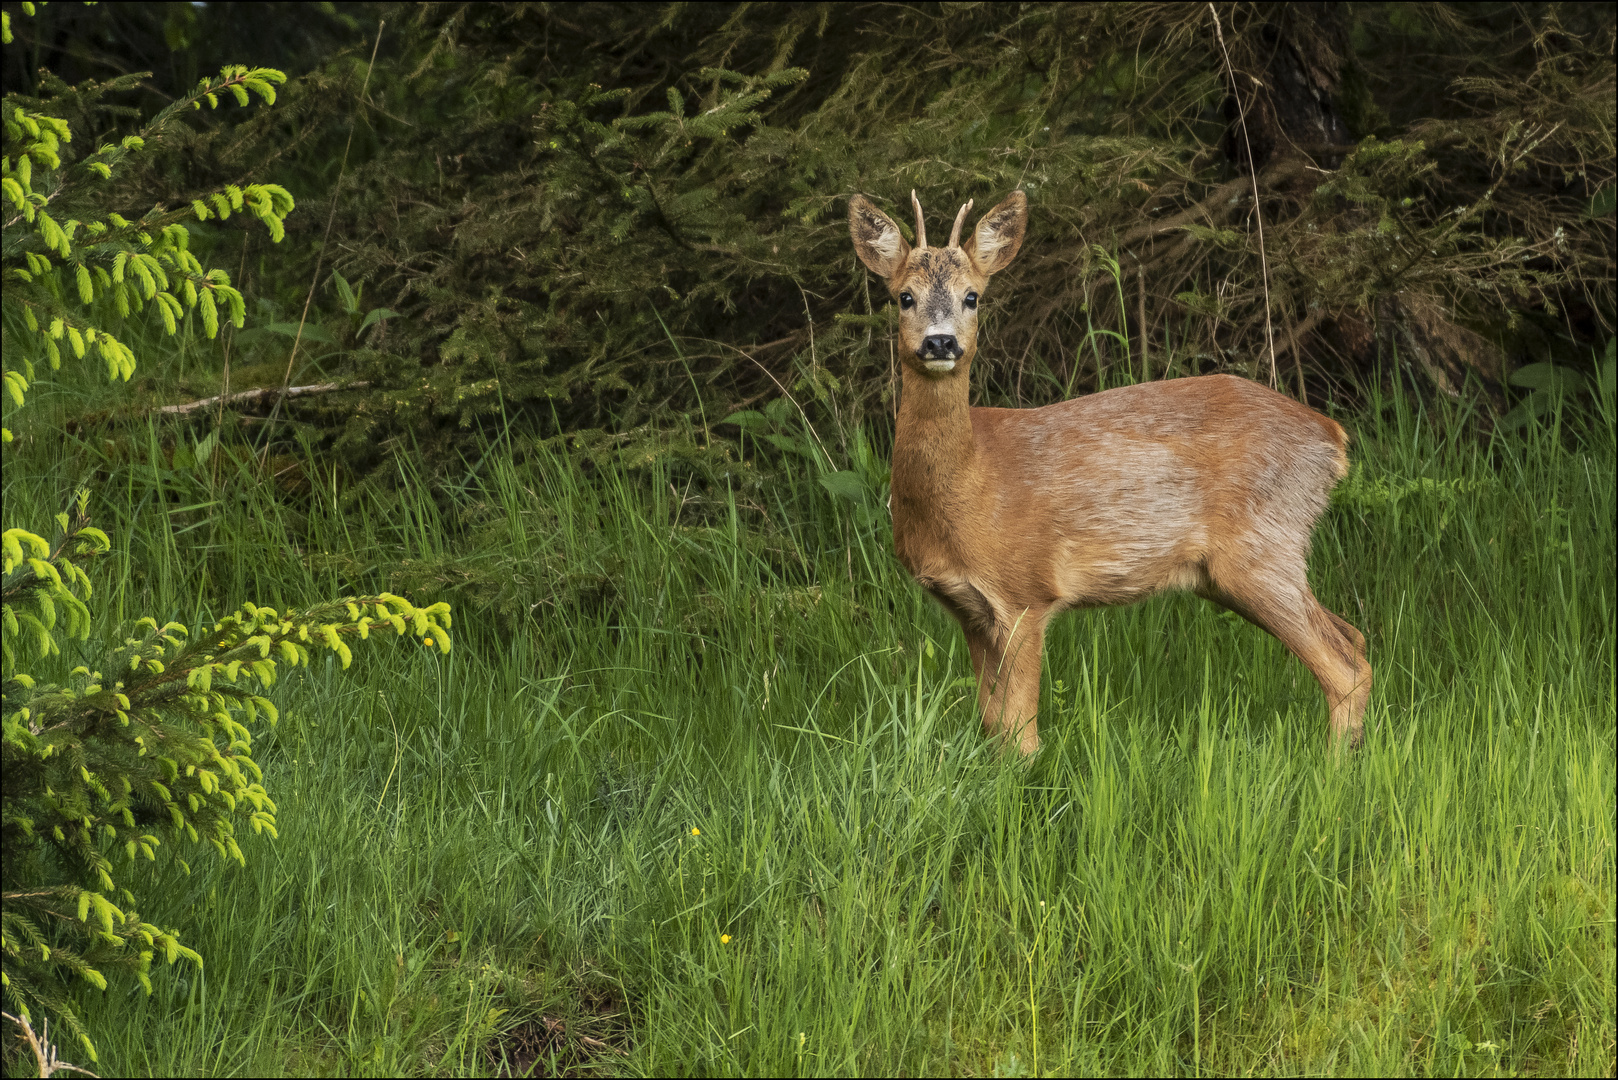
{"x": 1215, "y": 202}
{"x": 259, "y": 395}
{"x": 1298, "y": 332}
{"x": 80, "y": 423}
{"x": 1157, "y": 226}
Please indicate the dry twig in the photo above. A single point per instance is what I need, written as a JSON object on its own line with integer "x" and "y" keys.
{"x": 44, "y": 1053}
{"x": 1258, "y": 214}
{"x": 320, "y": 254}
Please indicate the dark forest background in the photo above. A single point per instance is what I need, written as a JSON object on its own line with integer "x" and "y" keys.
{"x": 619, "y": 223}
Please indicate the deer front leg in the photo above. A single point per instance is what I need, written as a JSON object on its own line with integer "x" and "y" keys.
{"x": 1006, "y": 660}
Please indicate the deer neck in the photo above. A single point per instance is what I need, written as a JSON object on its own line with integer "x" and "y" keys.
{"x": 934, "y": 454}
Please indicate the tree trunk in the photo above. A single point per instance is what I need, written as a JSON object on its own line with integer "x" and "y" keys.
{"x": 1289, "y": 69}
{"x": 1289, "y": 64}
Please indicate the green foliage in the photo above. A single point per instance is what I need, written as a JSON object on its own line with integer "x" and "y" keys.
{"x": 65, "y": 250}
{"x": 864, "y": 486}
{"x": 1550, "y": 385}
{"x": 36, "y": 598}
{"x": 5, "y": 22}
{"x": 149, "y": 746}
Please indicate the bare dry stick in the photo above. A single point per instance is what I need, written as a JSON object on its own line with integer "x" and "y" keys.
{"x": 230, "y": 334}
{"x": 230, "y": 339}
{"x": 75, "y": 424}
{"x": 44, "y": 1052}
{"x": 1214, "y": 199}
{"x": 320, "y": 256}
{"x": 599, "y": 1045}
{"x": 1296, "y": 335}
{"x": 1252, "y": 170}
{"x": 244, "y": 396}
{"x": 1140, "y": 319}
{"x": 1213, "y": 203}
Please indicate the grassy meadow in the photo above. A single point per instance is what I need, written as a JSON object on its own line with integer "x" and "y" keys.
{"x": 700, "y": 789}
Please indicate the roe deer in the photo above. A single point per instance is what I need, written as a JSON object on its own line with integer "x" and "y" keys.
{"x": 1010, "y": 515}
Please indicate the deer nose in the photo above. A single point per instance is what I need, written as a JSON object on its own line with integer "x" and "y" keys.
{"x": 939, "y": 346}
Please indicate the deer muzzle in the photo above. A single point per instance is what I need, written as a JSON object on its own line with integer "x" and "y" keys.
{"x": 939, "y": 348}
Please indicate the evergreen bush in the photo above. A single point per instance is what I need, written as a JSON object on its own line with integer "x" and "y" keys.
{"x": 149, "y": 748}
{"x": 624, "y": 222}
{"x": 598, "y": 218}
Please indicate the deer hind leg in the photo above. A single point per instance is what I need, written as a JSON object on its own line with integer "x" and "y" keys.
{"x": 1351, "y": 723}
{"x": 1276, "y": 597}
{"x": 1007, "y": 660}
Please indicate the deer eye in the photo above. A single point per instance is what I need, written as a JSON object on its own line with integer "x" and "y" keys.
{"x": 971, "y": 301}
{"x": 906, "y": 301}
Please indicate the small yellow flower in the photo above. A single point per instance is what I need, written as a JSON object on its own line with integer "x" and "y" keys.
{"x": 427, "y": 641}
{"x": 724, "y": 939}
{"x": 695, "y": 831}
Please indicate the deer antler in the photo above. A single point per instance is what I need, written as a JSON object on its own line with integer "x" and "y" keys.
{"x": 955, "y": 233}
{"x": 921, "y": 226}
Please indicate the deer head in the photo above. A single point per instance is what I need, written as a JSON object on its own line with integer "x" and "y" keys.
{"x": 938, "y": 289}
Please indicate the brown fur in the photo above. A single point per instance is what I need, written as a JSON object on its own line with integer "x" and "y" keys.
{"x": 1009, "y": 516}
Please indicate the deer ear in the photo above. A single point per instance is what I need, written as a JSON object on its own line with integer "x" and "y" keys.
{"x": 998, "y": 235}
{"x": 877, "y": 240}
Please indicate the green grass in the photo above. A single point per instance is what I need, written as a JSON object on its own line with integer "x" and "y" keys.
{"x": 670, "y": 718}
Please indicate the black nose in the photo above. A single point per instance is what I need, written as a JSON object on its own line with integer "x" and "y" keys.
{"x": 939, "y": 347}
